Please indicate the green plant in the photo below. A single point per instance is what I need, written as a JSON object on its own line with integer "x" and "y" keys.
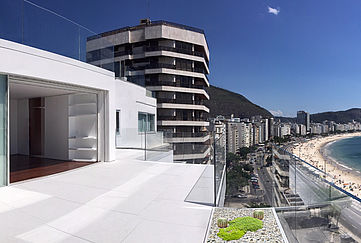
{"x": 247, "y": 223}
{"x": 258, "y": 214}
{"x": 222, "y": 222}
{"x": 231, "y": 233}
{"x": 238, "y": 227}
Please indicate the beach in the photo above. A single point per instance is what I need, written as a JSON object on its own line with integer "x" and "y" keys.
{"x": 314, "y": 152}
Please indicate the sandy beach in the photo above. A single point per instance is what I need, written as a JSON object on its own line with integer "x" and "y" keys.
{"x": 312, "y": 151}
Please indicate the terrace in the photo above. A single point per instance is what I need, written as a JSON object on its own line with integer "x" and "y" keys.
{"x": 127, "y": 200}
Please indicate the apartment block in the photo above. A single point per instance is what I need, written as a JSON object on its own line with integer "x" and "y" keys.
{"x": 171, "y": 60}
{"x": 304, "y": 118}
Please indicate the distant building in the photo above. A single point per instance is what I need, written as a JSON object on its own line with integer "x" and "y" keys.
{"x": 295, "y": 129}
{"x": 265, "y": 125}
{"x": 303, "y": 118}
{"x": 232, "y": 131}
{"x": 270, "y": 127}
{"x": 245, "y": 134}
{"x": 220, "y": 132}
{"x": 303, "y": 130}
{"x": 316, "y": 128}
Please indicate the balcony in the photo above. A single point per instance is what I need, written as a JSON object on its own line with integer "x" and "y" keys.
{"x": 198, "y": 152}
{"x": 188, "y": 137}
{"x": 130, "y": 201}
{"x": 180, "y": 118}
{"x": 168, "y": 66}
{"x": 180, "y": 101}
{"x": 189, "y": 134}
{"x": 179, "y": 106}
{"x": 122, "y": 53}
{"x": 176, "y": 84}
{"x": 173, "y": 49}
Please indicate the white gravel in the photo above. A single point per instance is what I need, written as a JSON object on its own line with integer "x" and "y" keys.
{"x": 269, "y": 233}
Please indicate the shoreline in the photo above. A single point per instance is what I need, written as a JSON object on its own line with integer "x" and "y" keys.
{"x": 315, "y": 152}
{"x": 333, "y": 161}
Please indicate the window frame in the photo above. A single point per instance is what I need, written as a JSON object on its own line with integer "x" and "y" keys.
{"x": 148, "y": 121}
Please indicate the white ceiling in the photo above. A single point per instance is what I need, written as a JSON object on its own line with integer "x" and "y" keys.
{"x": 25, "y": 91}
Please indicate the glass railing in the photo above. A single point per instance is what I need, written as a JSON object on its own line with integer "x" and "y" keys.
{"x": 188, "y": 148}
{"x": 219, "y": 162}
{"x": 152, "y": 144}
{"x": 310, "y": 207}
{"x": 210, "y": 187}
{"x": 25, "y": 22}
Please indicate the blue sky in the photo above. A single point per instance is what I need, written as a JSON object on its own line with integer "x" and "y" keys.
{"x": 300, "y": 55}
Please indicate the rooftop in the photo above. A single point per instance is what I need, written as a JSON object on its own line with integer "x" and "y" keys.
{"x": 127, "y": 200}
{"x": 152, "y": 23}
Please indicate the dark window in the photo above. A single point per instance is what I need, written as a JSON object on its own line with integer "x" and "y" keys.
{"x": 117, "y": 122}
{"x": 117, "y": 69}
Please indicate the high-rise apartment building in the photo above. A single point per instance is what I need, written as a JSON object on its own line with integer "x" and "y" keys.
{"x": 232, "y": 131}
{"x": 172, "y": 61}
{"x": 270, "y": 127}
{"x": 303, "y": 118}
{"x": 245, "y": 134}
{"x": 265, "y": 125}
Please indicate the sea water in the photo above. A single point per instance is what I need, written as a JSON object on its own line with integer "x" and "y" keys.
{"x": 347, "y": 152}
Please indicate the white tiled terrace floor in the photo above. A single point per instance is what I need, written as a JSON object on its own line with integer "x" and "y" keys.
{"x": 122, "y": 201}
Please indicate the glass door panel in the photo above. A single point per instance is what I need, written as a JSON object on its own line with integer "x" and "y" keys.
{"x": 3, "y": 130}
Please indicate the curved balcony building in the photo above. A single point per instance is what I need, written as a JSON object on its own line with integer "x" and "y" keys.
{"x": 172, "y": 61}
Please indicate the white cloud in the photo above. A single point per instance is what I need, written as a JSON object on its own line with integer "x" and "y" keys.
{"x": 277, "y": 113}
{"x": 273, "y": 10}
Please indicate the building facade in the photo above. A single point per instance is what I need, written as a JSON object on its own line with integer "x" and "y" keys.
{"x": 172, "y": 61}
{"x": 232, "y": 131}
{"x": 70, "y": 111}
{"x": 304, "y": 118}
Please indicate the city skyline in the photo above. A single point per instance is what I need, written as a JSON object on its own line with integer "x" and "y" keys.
{"x": 280, "y": 55}
{"x": 115, "y": 137}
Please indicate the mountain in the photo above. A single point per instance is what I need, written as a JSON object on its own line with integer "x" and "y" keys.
{"x": 225, "y": 102}
{"x": 285, "y": 119}
{"x": 336, "y": 116}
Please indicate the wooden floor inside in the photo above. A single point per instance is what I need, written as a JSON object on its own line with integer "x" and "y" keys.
{"x": 24, "y": 167}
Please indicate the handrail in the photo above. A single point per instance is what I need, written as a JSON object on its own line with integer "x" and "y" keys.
{"x": 322, "y": 179}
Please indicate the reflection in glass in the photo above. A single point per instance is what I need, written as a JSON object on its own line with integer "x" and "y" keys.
{"x": 3, "y": 129}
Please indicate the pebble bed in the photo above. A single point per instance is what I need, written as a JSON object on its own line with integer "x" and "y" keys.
{"x": 269, "y": 233}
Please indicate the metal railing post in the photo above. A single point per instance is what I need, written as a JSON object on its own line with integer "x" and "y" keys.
{"x": 215, "y": 172}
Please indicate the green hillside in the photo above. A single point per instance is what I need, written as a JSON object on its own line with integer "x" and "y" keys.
{"x": 224, "y": 102}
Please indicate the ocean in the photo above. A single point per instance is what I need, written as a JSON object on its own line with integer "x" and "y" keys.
{"x": 346, "y": 151}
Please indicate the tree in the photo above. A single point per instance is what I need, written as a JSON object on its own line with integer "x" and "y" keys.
{"x": 244, "y": 151}
{"x": 238, "y": 173}
{"x": 231, "y": 160}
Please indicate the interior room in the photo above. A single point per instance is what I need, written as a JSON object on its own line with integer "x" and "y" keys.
{"x": 52, "y": 129}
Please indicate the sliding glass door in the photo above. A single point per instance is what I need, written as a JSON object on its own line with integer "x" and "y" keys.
{"x": 3, "y": 130}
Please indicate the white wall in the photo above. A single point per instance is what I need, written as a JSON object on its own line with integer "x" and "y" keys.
{"x": 56, "y": 127}
{"x": 130, "y": 100}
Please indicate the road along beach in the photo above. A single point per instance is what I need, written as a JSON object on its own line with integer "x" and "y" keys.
{"x": 314, "y": 152}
